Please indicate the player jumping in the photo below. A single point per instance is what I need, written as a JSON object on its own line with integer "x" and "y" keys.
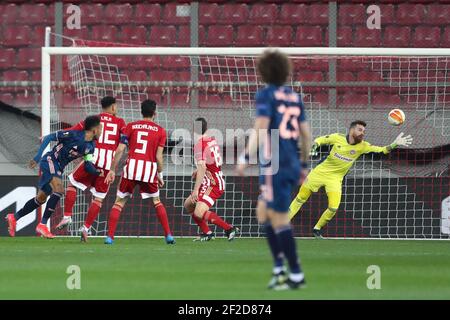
{"x": 144, "y": 168}
{"x": 71, "y": 144}
{"x": 105, "y": 149}
{"x": 330, "y": 173}
{"x": 209, "y": 184}
{"x": 281, "y": 110}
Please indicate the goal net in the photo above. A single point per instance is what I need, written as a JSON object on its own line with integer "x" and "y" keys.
{"x": 402, "y": 195}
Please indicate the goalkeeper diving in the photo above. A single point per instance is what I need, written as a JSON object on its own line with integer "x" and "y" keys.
{"x": 330, "y": 172}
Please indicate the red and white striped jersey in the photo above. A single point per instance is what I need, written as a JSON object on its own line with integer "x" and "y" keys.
{"x": 144, "y": 138}
{"x": 106, "y": 145}
{"x": 207, "y": 149}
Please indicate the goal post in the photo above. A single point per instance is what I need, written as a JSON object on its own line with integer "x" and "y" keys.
{"x": 402, "y": 195}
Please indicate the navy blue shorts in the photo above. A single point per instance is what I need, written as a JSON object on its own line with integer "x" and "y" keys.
{"x": 49, "y": 169}
{"x": 276, "y": 189}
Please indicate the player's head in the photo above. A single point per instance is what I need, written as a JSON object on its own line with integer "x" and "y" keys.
{"x": 92, "y": 124}
{"x": 148, "y": 108}
{"x": 357, "y": 130}
{"x": 200, "y": 127}
{"x": 274, "y": 67}
{"x": 109, "y": 104}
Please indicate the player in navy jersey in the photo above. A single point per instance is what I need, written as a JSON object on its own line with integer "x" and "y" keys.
{"x": 71, "y": 145}
{"x": 280, "y": 122}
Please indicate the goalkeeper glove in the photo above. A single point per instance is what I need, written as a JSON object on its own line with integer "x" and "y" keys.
{"x": 402, "y": 141}
{"x": 314, "y": 151}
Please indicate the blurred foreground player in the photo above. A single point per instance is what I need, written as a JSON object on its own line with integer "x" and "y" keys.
{"x": 144, "y": 168}
{"x": 280, "y": 122}
{"x": 105, "y": 148}
{"x": 332, "y": 170}
{"x": 209, "y": 184}
{"x": 71, "y": 144}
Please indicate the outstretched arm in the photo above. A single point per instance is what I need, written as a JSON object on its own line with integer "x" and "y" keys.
{"x": 399, "y": 141}
{"x": 319, "y": 141}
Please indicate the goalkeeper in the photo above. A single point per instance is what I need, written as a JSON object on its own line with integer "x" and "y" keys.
{"x": 330, "y": 172}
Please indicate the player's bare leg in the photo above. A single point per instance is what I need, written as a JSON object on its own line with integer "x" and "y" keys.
{"x": 206, "y": 233}
{"x": 69, "y": 201}
{"x": 114, "y": 216}
{"x": 202, "y": 211}
{"x": 94, "y": 210}
{"x": 161, "y": 213}
{"x": 57, "y": 187}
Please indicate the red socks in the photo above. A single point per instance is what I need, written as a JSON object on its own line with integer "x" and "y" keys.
{"x": 113, "y": 219}
{"x": 201, "y": 223}
{"x": 162, "y": 217}
{"x": 215, "y": 219}
{"x": 69, "y": 200}
{"x": 92, "y": 214}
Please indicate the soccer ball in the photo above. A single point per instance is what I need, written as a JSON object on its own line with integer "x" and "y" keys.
{"x": 396, "y": 117}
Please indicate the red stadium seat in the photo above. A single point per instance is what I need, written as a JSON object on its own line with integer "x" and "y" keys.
{"x": 38, "y": 36}
{"x": 107, "y": 33}
{"x": 7, "y": 58}
{"x": 367, "y": 38}
{"x": 318, "y": 64}
{"x": 82, "y": 33}
{"x": 309, "y": 76}
{"x": 220, "y": 36}
{"x": 132, "y": 34}
{"x": 351, "y": 64}
{"x": 348, "y": 99}
{"x": 13, "y": 75}
{"x": 208, "y": 13}
{"x": 147, "y": 13}
{"x": 17, "y": 36}
{"x": 138, "y": 75}
{"x": 184, "y": 36}
{"x": 176, "y": 14}
{"x": 387, "y": 13}
{"x": 176, "y": 62}
{"x": 234, "y": 14}
{"x": 91, "y": 14}
{"x": 369, "y": 76}
{"x": 249, "y": 36}
{"x": 263, "y": 13}
{"x": 210, "y": 101}
{"x": 396, "y": 37}
{"x": 410, "y": 14}
{"x": 344, "y": 37}
{"x": 162, "y": 75}
{"x": 7, "y": 98}
{"x": 437, "y": 14}
{"x": 318, "y": 14}
{"x": 36, "y": 75}
{"x": 292, "y": 14}
{"x": 308, "y": 37}
{"x": 385, "y": 101}
{"x": 445, "y": 41}
{"x": 28, "y": 58}
{"x": 162, "y": 36}
{"x": 27, "y": 100}
{"x": 426, "y": 37}
{"x": 351, "y": 14}
{"x": 345, "y": 76}
{"x": 179, "y": 101}
{"x": 321, "y": 98}
{"x": 8, "y": 13}
{"x": 279, "y": 36}
{"x": 147, "y": 62}
{"x": 183, "y": 76}
{"x": 33, "y": 13}
{"x": 122, "y": 62}
{"x": 202, "y": 36}
{"x": 118, "y": 13}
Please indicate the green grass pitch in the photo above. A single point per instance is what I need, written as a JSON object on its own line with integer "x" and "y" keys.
{"x": 35, "y": 268}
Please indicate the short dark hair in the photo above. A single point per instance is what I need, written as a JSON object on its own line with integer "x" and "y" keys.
{"x": 107, "y": 102}
{"x": 91, "y": 122}
{"x": 356, "y": 122}
{"x": 204, "y": 124}
{"x": 274, "y": 67}
{"x": 148, "y": 108}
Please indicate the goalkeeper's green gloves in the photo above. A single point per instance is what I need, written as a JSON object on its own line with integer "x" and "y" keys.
{"x": 314, "y": 152}
{"x": 402, "y": 141}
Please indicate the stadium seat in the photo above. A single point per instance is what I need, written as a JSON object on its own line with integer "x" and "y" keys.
{"x": 210, "y": 101}
{"x": 385, "y": 101}
{"x": 445, "y": 41}
{"x": 279, "y": 36}
{"x": 183, "y": 76}
{"x": 348, "y": 99}
{"x": 8, "y": 13}
{"x": 234, "y": 14}
{"x": 387, "y": 14}
{"x": 118, "y": 13}
{"x": 162, "y": 36}
{"x": 208, "y": 13}
{"x": 369, "y": 76}
{"x": 38, "y": 39}
{"x": 7, "y": 58}
{"x": 249, "y": 36}
{"x": 122, "y": 62}
{"x": 132, "y": 34}
{"x": 17, "y": 36}
{"x": 292, "y": 14}
{"x": 308, "y": 36}
{"x": 147, "y": 13}
{"x": 107, "y": 33}
{"x": 437, "y": 15}
{"x": 179, "y": 101}
{"x": 344, "y": 37}
{"x": 410, "y": 14}
{"x": 321, "y": 98}
{"x": 184, "y": 36}
{"x": 318, "y": 64}
{"x": 176, "y": 62}
{"x": 7, "y": 98}
{"x": 37, "y": 75}
{"x": 318, "y": 14}
{"x": 220, "y": 36}
{"x": 147, "y": 62}
{"x": 351, "y": 64}
{"x": 309, "y": 76}
{"x": 345, "y": 76}
{"x": 202, "y": 41}
{"x": 14, "y": 75}
{"x": 28, "y": 58}
{"x": 162, "y": 75}
{"x": 28, "y": 99}
{"x": 426, "y": 37}
{"x": 82, "y": 33}
{"x": 92, "y": 13}
{"x": 263, "y": 13}
{"x": 175, "y": 14}
{"x": 138, "y": 75}
{"x": 396, "y": 37}
{"x": 367, "y": 38}
{"x": 351, "y": 14}
{"x": 33, "y": 13}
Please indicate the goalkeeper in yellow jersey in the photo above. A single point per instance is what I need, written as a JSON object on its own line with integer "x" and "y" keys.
{"x": 330, "y": 172}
